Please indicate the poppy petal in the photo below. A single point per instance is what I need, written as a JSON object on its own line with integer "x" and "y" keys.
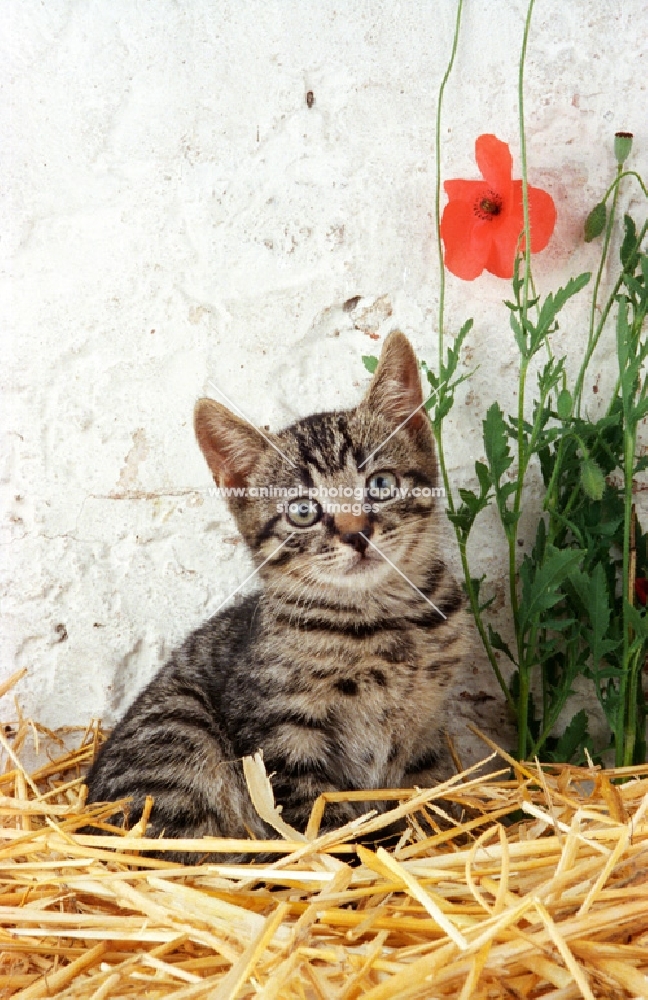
{"x": 495, "y": 162}
{"x": 542, "y": 218}
{"x": 466, "y": 239}
{"x": 542, "y": 214}
{"x": 470, "y": 191}
{"x": 506, "y": 233}
{"x": 482, "y": 225}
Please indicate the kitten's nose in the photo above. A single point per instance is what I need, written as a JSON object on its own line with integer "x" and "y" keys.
{"x": 357, "y": 540}
{"x": 354, "y": 530}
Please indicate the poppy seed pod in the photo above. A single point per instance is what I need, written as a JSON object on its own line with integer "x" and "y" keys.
{"x": 622, "y": 146}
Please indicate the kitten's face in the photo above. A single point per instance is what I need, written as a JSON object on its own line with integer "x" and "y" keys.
{"x": 365, "y": 490}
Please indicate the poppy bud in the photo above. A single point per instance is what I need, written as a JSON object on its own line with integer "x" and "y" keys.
{"x": 564, "y": 404}
{"x": 592, "y": 479}
{"x": 622, "y": 146}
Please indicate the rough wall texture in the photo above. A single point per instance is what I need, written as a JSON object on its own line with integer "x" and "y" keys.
{"x": 178, "y": 219}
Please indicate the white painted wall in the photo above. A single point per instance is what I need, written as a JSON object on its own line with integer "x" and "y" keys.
{"x": 174, "y": 215}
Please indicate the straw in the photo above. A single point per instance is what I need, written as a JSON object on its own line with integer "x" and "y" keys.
{"x": 540, "y": 889}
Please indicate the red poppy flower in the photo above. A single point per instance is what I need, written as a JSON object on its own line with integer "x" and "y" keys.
{"x": 483, "y": 220}
{"x": 641, "y": 589}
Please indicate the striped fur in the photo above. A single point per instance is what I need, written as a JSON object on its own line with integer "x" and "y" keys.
{"x": 339, "y": 667}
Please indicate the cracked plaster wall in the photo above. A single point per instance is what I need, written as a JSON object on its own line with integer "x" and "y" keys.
{"x": 175, "y": 215}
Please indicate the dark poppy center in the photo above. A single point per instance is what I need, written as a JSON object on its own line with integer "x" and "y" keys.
{"x": 488, "y": 206}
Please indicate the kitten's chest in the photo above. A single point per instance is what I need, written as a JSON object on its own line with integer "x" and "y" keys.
{"x": 365, "y": 695}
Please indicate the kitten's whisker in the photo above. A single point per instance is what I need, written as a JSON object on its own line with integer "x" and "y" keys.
{"x": 282, "y": 596}
{"x": 400, "y": 573}
{"x": 241, "y": 414}
{"x": 253, "y": 573}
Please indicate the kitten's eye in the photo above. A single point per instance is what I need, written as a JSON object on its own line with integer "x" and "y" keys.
{"x": 304, "y": 513}
{"x": 382, "y": 485}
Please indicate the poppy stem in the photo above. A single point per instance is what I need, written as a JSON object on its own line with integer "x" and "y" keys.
{"x": 523, "y": 651}
{"x": 610, "y": 302}
{"x": 437, "y": 197}
{"x": 523, "y": 160}
{"x": 473, "y": 597}
{"x": 593, "y": 335}
{"x": 620, "y": 175}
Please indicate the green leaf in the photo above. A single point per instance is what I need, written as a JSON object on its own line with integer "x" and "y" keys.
{"x": 497, "y": 642}
{"x": 484, "y": 477}
{"x": 635, "y": 286}
{"x": 370, "y": 362}
{"x": 507, "y": 490}
{"x": 592, "y": 479}
{"x": 592, "y": 589}
{"x": 623, "y": 341}
{"x": 540, "y": 543}
{"x": 431, "y": 376}
{"x": 557, "y": 624}
{"x": 464, "y": 517}
{"x": 573, "y": 738}
{"x": 640, "y": 410}
{"x": 541, "y": 589}
{"x": 573, "y": 287}
{"x": 509, "y": 519}
{"x": 520, "y": 337}
{"x": 461, "y": 519}
{"x": 471, "y": 500}
{"x": 643, "y": 260}
{"x": 638, "y": 620}
{"x": 476, "y": 582}
{"x": 443, "y": 407}
{"x": 451, "y": 363}
{"x": 595, "y": 222}
{"x": 463, "y": 333}
{"x": 550, "y": 376}
{"x": 628, "y": 251}
{"x": 564, "y": 404}
{"x": 496, "y": 442}
{"x": 471, "y": 505}
{"x": 642, "y": 463}
{"x": 552, "y": 306}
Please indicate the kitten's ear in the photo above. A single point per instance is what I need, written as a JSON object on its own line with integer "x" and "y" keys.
{"x": 396, "y": 387}
{"x": 231, "y": 446}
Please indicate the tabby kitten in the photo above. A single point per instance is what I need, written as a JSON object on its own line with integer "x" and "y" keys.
{"x": 338, "y": 668}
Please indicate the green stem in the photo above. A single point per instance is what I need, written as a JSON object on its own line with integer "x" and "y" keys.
{"x": 621, "y": 173}
{"x": 609, "y": 304}
{"x": 523, "y": 671}
{"x": 523, "y": 160}
{"x": 437, "y": 198}
{"x": 593, "y": 339}
{"x": 625, "y": 711}
{"x": 470, "y": 590}
{"x": 631, "y": 716}
{"x": 525, "y": 690}
{"x": 517, "y": 500}
{"x": 550, "y": 722}
{"x": 593, "y": 336}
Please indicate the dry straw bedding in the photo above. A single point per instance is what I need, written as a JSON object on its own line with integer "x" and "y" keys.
{"x": 541, "y": 890}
